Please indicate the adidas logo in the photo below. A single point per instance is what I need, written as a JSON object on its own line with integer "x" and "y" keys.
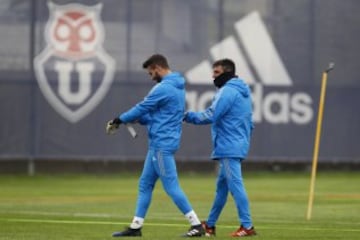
{"x": 259, "y": 48}
{"x": 260, "y": 65}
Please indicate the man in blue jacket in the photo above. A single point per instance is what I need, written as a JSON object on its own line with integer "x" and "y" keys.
{"x": 231, "y": 117}
{"x": 162, "y": 111}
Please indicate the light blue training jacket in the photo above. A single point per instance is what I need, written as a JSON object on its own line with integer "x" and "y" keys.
{"x": 231, "y": 116}
{"x": 162, "y": 111}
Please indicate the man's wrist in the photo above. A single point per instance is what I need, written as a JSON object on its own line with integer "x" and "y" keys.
{"x": 117, "y": 121}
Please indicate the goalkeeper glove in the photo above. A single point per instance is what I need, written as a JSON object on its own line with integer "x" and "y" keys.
{"x": 113, "y": 125}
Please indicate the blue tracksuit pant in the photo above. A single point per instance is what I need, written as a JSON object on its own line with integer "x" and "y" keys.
{"x": 160, "y": 164}
{"x": 230, "y": 179}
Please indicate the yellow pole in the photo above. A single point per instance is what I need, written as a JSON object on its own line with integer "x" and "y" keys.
{"x": 317, "y": 139}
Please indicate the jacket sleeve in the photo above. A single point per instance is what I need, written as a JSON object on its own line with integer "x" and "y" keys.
{"x": 143, "y": 108}
{"x": 219, "y": 106}
{"x": 145, "y": 119}
{"x": 199, "y": 118}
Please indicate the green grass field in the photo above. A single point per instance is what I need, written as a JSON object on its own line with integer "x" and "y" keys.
{"x": 92, "y": 207}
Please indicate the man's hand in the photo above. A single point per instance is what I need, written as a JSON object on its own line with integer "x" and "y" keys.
{"x": 185, "y": 116}
{"x": 113, "y": 125}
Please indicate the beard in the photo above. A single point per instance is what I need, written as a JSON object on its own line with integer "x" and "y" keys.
{"x": 157, "y": 78}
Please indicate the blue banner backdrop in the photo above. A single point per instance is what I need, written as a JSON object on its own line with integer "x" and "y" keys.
{"x": 67, "y": 67}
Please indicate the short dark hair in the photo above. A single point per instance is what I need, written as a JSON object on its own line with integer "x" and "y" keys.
{"x": 227, "y": 64}
{"x": 156, "y": 59}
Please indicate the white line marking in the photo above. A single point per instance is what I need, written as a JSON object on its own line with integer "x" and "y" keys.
{"x": 23, "y": 220}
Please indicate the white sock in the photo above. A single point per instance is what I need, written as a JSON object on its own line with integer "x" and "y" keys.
{"x": 193, "y": 218}
{"x": 137, "y": 223}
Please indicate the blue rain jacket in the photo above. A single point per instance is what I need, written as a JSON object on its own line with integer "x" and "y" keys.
{"x": 231, "y": 117}
{"x": 162, "y": 111}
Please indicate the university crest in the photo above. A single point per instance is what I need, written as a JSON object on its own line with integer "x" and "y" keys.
{"x": 74, "y": 72}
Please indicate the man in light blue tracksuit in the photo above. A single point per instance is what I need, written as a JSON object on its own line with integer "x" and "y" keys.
{"x": 231, "y": 117}
{"x": 162, "y": 111}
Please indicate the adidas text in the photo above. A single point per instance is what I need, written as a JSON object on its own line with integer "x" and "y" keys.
{"x": 274, "y": 107}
